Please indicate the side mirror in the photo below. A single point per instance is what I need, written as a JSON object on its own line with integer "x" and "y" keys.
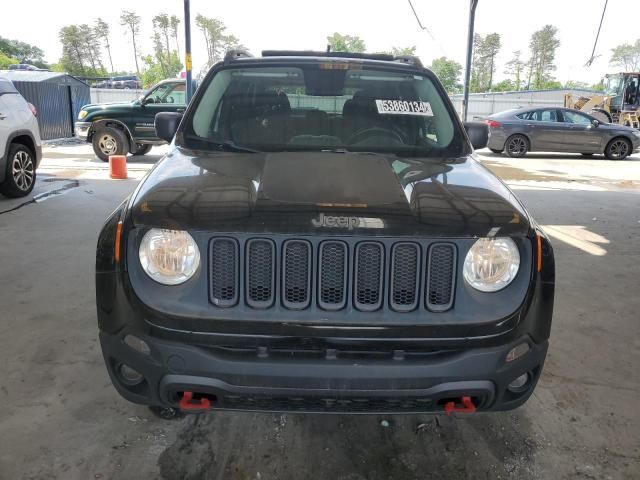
{"x": 595, "y": 123}
{"x": 478, "y": 133}
{"x": 166, "y": 124}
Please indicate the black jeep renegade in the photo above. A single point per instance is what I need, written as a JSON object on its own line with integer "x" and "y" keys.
{"x": 320, "y": 238}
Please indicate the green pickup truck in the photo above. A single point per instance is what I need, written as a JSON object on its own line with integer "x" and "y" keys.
{"x": 128, "y": 127}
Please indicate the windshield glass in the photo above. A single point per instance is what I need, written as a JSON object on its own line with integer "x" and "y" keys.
{"x": 613, "y": 84}
{"x": 324, "y": 106}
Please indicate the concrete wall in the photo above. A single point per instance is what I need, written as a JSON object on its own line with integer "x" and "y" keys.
{"x": 483, "y": 104}
{"x": 108, "y": 95}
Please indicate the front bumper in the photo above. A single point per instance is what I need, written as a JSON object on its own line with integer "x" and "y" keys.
{"x": 262, "y": 380}
{"x": 82, "y": 130}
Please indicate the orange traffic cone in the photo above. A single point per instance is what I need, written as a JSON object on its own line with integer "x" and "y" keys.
{"x": 118, "y": 166}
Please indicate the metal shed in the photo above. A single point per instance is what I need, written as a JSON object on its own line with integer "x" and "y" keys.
{"x": 57, "y": 96}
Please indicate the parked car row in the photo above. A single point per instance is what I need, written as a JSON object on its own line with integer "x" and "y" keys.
{"x": 129, "y": 82}
{"x": 551, "y": 129}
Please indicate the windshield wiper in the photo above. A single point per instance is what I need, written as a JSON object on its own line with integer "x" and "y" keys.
{"x": 229, "y": 146}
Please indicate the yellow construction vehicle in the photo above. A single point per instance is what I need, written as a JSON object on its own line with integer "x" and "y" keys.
{"x": 619, "y": 103}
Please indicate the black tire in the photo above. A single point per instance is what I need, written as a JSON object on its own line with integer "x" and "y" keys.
{"x": 618, "y": 149}
{"x": 496, "y": 151}
{"x": 110, "y": 141}
{"x": 21, "y": 172}
{"x": 516, "y": 146}
{"x": 140, "y": 149}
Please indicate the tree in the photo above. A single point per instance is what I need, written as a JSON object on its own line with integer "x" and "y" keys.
{"x": 80, "y": 50}
{"x": 448, "y": 71}
{"x": 6, "y": 60}
{"x": 543, "y": 45}
{"x": 571, "y": 84}
{"x": 504, "y": 86}
{"x": 174, "y": 22}
{"x": 131, "y": 21}
{"x": 346, "y": 43}
{"x": 217, "y": 41}
{"x": 101, "y": 30}
{"x": 23, "y": 52}
{"x": 626, "y": 56}
{"x": 515, "y": 67}
{"x": 73, "y": 53}
{"x": 161, "y": 23}
{"x": 155, "y": 70}
{"x": 402, "y": 52}
{"x": 483, "y": 66}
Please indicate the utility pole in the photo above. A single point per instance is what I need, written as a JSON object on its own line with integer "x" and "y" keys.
{"x": 187, "y": 48}
{"x": 467, "y": 72}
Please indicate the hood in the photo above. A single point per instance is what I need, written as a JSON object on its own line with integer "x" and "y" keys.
{"x": 93, "y": 107}
{"x": 327, "y": 193}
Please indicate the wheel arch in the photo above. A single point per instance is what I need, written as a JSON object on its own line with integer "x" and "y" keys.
{"x": 109, "y": 122}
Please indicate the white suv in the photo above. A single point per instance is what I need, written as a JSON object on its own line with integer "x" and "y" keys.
{"x": 20, "y": 146}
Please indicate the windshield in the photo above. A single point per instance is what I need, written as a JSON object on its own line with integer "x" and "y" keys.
{"x": 324, "y": 106}
{"x": 613, "y": 84}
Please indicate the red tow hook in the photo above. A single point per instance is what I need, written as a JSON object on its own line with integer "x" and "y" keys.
{"x": 187, "y": 402}
{"x": 467, "y": 406}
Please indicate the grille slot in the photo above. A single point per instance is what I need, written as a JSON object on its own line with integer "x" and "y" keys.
{"x": 332, "y": 281}
{"x": 441, "y": 277}
{"x": 296, "y": 275}
{"x": 223, "y": 254}
{"x": 405, "y": 261}
{"x": 260, "y": 272}
{"x": 369, "y": 271}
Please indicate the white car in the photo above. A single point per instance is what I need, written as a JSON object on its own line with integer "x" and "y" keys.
{"x": 20, "y": 145}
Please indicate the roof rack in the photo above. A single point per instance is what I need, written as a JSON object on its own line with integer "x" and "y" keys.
{"x": 310, "y": 53}
{"x": 408, "y": 59}
{"x": 235, "y": 54}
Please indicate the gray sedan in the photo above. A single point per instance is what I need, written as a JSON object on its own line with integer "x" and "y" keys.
{"x": 523, "y": 130}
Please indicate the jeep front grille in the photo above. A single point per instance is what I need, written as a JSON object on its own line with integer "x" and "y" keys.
{"x": 224, "y": 272}
{"x": 332, "y": 274}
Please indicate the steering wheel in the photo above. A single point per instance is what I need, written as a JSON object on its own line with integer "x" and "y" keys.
{"x": 169, "y": 99}
{"x": 362, "y": 135}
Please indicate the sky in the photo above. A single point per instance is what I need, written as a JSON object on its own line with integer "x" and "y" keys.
{"x": 382, "y": 24}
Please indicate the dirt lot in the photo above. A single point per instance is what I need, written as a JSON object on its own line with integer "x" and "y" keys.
{"x": 62, "y": 418}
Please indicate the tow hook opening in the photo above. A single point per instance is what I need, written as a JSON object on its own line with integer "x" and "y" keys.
{"x": 463, "y": 404}
{"x": 196, "y": 401}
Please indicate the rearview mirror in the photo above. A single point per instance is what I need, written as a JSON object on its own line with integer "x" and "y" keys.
{"x": 478, "y": 133}
{"x": 166, "y": 124}
{"x": 595, "y": 123}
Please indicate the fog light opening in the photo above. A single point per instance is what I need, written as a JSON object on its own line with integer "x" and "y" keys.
{"x": 516, "y": 352}
{"x": 137, "y": 344}
{"x": 129, "y": 375}
{"x": 520, "y": 384}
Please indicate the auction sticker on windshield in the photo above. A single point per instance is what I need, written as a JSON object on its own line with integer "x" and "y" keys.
{"x": 404, "y": 107}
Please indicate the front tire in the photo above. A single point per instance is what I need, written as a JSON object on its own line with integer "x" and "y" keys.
{"x": 517, "y": 146}
{"x": 110, "y": 141}
{"x": 140, "y": 149}
{"x": 618, "y": 149}
{"x": 21, "y": 172}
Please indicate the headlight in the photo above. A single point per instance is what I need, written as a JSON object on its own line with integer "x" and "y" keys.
{"x": 82, "y": 114}
{"x": 491, "y": 264}
{"x": 169, "y": 257}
